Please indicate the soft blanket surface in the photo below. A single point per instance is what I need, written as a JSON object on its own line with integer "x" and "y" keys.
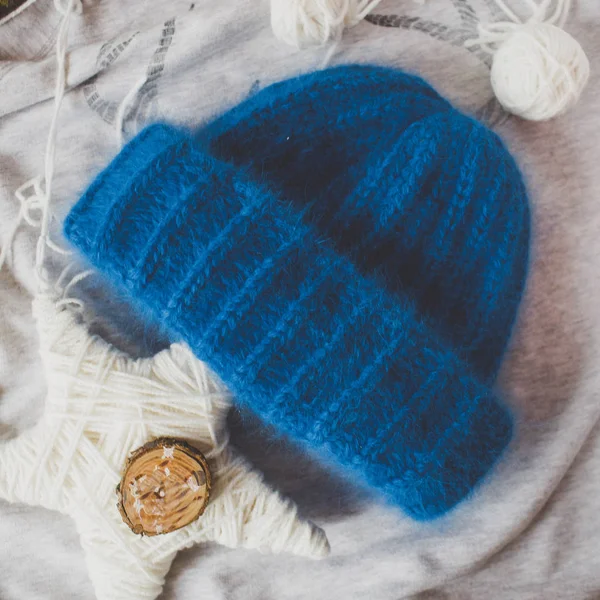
{"x": 532, "y": 531}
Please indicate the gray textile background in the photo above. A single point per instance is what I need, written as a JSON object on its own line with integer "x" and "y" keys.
{"x": 533, "y": 530}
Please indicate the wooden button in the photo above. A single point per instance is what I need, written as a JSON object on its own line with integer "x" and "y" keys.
{"x": 165, "y": 487}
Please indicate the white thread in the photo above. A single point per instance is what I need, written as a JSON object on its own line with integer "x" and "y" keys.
{"x": 41, "y": 196}
{"x": 101, "y": 406}
{"x": 539, "y": 71}
{"x": 59, "y": 285}
{"x": 64, "y": 9}
{"x": 16, "y": 11}
{"x": 74, "y": 281}
{"x": 49, "y": 159}
{"x": 125, "y": 103}
{"x": 32, "y": 195}
{"x": 28, "y": 204}
{"x": 303, "y": 23}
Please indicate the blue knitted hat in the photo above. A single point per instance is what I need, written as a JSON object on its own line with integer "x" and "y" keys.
{"x": 412, "y": 191}
{"x": 279, "y": 308}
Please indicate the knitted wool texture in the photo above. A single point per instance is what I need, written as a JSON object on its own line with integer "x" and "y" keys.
{"x": 101, "y": 406}
{"x": 290, "y": 325}
{"x": 410, "y": 190}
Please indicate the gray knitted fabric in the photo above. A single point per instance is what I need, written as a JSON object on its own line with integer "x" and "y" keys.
{"x": 534, "y": 530}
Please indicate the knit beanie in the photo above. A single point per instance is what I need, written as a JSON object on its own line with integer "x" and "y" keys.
{"x": 299, "y": 335}
{"x": 413, "y": 192}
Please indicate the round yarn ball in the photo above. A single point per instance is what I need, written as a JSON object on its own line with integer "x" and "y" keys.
{"x": 304, "y": 23}
{"x": 539, "y": 72}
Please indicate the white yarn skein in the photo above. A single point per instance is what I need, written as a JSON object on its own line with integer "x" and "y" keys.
{"x": 539, "y": 71}
{"x": 304, "y": 23}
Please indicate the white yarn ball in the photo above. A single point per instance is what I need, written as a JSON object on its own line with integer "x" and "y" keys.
{"x": 307, "y": 22}
{"x": 303, "y": 23}
{"x": 539, "y": 72}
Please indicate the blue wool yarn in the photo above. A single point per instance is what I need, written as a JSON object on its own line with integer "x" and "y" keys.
{"x": 413, "y": 192}
{"x": 302, "y": 337}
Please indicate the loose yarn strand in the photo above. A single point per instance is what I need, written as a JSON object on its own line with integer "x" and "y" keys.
{"x": 34, "y": 197}
{"x": 39, "y": 198}
{"x": 50, "y": 156}
{"x": 509, "y": 13}
{"x": 539, "y": 71}
{"x": 125, "y": 104}
{"x": 363, "y": 9}
{"x": 562, "y": 12}
{"x": 75, "y": 280}
{"x": 28, "y": 205}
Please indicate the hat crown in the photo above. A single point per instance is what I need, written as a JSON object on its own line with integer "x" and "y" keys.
{"x": 418, "y": 194}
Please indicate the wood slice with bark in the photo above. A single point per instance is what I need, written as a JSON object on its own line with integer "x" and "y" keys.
{"x": 165, "y": 486}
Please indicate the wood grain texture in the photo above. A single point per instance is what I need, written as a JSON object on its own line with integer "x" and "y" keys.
{"x": 165, "y": 486}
